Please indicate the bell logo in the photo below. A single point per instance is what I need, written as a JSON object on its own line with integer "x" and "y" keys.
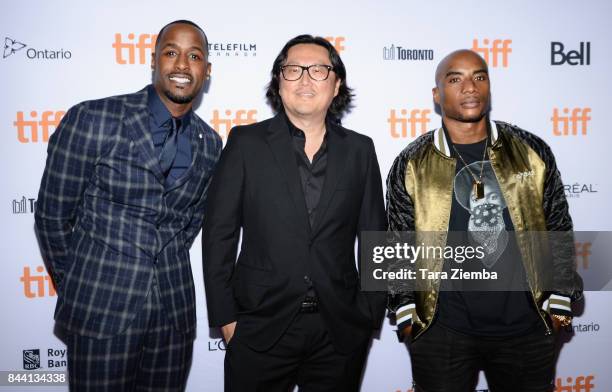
{"x": 492, "y": 50}
{"x": 583, "y": 251}
{"x": 579, "y": 384}
{"x": 581, "y": 56}
{"x": 239, "y": 117}
{"x": 28, "y": 130}
{"x": 37, "y": 285}
{"x": 125, "y": 51}
{"x": 566, "y": 124}
{"x": 400, "y": 125}
{"x": 338, "y": 43}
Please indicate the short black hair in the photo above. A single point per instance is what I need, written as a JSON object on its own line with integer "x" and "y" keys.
{"x": 182, "y": 21}
{"x": 341, "y": 103}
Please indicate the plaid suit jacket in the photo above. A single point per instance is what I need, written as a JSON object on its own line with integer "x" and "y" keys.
{"x": 107, "y": 225}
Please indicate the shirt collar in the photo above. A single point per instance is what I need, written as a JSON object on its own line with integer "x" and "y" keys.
{"x": 295, "y": 131}
{"x": 442, "y": 144}
{"x": 160, "y": 113}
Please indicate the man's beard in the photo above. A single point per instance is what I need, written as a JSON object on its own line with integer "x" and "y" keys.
{"x": 472, "y": 119}
{"x": 179, "y": 99}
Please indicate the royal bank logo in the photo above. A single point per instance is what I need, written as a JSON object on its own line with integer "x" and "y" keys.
{"x": 24, "y": 205}
{"x": 232, "y": 49}
{"x": 401, "y": 53}
{"x": 13, "y": 47}
{"x": 31, "y": 359}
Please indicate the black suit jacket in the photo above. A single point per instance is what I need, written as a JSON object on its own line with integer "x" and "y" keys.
{"x": 257, "y": 188}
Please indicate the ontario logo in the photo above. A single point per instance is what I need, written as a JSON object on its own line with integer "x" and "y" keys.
{"x": 13, "y": 46}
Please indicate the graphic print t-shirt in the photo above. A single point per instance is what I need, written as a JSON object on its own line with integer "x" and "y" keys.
{"x": 501, "y": 307}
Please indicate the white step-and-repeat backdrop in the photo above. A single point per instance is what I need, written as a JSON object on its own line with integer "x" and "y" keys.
{"x": 550, "y": 70}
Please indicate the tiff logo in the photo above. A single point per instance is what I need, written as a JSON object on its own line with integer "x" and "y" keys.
{"x": 24, "y": 206}
{"x": 566, "y": 124}
{"x": 492, "y": 51}
{"x": 403, "y": 125}
{"x": 338, "y": 43}
{"x": 126, "y": 50}
{"x": 581, "y": 56}
{"x": 50, "y": 119}
{"x": 37, "y": 285}
{"x": 583, "y": 251}
{"x": 223, "y": 124}
{"x": 580, "y": 384}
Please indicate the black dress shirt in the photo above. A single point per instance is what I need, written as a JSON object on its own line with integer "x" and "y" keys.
{"x": 312, "y": 174}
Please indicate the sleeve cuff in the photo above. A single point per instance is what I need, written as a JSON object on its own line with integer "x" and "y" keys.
{"x": 558, "y": 304}
{"x": 404, "y": 316}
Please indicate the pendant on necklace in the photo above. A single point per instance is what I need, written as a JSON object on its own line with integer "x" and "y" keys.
{"x": 478, "y": 190}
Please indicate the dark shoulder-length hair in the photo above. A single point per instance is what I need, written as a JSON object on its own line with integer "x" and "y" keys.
{"x": 341, "y": 104}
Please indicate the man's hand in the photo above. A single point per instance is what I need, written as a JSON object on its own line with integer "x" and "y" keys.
{"x": 556, "y": 324}
{"x": 407, "y": 332}
{"x": 228, "y": 331}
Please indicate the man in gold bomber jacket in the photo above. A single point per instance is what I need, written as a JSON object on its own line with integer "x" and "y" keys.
{"x": 497, "y": 186}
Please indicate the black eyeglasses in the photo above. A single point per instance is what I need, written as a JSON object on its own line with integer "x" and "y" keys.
{"x": 318, "y": 72}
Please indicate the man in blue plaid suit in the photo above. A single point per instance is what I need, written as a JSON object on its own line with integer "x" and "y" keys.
{"x": 121, "y": 201}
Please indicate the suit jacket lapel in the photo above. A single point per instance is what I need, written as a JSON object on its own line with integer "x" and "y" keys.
{"x": 336, "y": 162}
{"x": 280, "y": 142}
{"x": 137, "y": 123}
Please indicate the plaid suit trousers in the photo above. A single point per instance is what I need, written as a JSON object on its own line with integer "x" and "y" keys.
{"x": 150, "y": 355}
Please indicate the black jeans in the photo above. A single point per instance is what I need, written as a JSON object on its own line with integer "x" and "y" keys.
{"x": 444, "y": 360}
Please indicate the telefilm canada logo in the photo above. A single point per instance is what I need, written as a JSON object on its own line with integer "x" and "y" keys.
{"x": 15, "y": 47}
{"x": 232, "y": 49}
{"x": 396, "y": 52}
{"x": 31, "y": 359}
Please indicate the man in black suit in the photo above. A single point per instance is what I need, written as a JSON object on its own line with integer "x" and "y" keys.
{"x": 302, "y": 188}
